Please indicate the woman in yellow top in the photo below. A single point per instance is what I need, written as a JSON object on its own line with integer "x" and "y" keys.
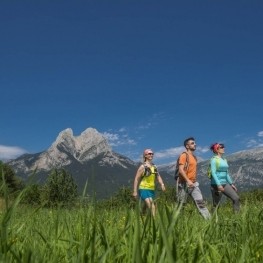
{"x": 144, "y": 182}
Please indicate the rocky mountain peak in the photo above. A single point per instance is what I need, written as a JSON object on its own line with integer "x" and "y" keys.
{"x": 86, "y": 156}
{"x": 87, "y": 145}
{"x": 77, "y": 144}
{"x": 68, "y": 148}
{"x": 91, "y": 137}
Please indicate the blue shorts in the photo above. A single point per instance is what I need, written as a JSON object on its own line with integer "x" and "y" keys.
{"x": 145, "y": 193}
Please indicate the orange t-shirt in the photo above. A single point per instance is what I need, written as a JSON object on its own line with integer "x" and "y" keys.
{"x": 192, "y": 166}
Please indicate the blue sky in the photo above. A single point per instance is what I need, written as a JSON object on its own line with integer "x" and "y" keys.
{"x": 143, "y": 73}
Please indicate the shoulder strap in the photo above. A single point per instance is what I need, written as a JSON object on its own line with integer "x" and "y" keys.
{"x": 147, "y": 169}
{"x": 186, "y": 166}
{"x": 155, "y": 169}
{"x": 144, "y": 164}
{"x": 176, "y": 172}
{"x": 217, "y": 161}
{"x": 186, "y": 162}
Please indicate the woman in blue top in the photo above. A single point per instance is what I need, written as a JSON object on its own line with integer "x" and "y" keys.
{"x": 221, "y": 182}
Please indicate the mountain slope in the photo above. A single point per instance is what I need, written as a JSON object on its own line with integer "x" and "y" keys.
{"x": 245, "y": 167}
{"x": 90, "y": 159}
{"x": 87, "y": 157}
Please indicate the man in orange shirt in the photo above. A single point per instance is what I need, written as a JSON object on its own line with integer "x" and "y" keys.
{"x": 187, "y": 183}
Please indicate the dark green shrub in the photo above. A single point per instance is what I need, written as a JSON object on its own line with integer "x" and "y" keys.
{"x": 10, "y": 184}
{"x": 60, "y": 189}
{"x": 32, "y": 195}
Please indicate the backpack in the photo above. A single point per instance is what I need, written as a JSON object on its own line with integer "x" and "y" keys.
{"x": 209, "y": 171}
{"x": 148, "y": 171}
{"x": 176, "y": 173}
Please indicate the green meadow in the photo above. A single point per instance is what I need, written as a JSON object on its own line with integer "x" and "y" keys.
{"x": 100, "y": 232}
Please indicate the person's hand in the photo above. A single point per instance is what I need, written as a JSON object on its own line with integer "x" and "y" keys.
{"x": 233, "y": 186}
{"x": 163, "y": 187}
{"x": 190, "y": 184}
{"x": 135, "y": 194}
{"x": 220, "y": 188}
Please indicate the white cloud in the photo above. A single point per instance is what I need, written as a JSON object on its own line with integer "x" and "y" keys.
{"x": 115, "y": 139}
{"x": 151, "y": 121}
{"x": 10, "y": 152}
{"x": 169, "y": 153}
{"x": 111, "y": 136}
{"x": 252, "y": 143}
{"x": 122, "y": 129}
{"x": 203, "y": 149}
{"x": 145, "y": 126}
{"x": 255, "y": 142}
{"x": 175, "y": 152}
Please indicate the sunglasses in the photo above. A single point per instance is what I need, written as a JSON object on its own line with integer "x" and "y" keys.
{"x": 149, "y": 153}
{"x": 221, "y": 147}
{"x": 192, "y": 143}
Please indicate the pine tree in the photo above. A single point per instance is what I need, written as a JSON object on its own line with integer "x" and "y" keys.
{"x": 60, "y": 188}
{"x": 8, "y": 181}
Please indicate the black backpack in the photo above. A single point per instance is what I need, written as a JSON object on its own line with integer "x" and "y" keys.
{"x": 176, "y": 173}
{"x": 147, "y": 170}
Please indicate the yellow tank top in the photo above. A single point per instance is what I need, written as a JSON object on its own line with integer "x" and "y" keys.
{"x": 148, "y": 182}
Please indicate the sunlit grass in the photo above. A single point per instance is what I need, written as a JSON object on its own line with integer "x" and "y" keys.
{"x": 95, "y": 234}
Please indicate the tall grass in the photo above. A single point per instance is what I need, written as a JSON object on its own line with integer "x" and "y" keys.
{"x": 95, "y": 234}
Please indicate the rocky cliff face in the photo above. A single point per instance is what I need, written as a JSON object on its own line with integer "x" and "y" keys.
{"x": 82, "y": 148}
{"x": 88, "y": 157}
{"x": 66, "y": 149}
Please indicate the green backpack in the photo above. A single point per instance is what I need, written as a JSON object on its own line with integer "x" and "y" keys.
{"x": 209, "y": 172}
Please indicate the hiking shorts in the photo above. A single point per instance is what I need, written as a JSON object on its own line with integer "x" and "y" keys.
{"x": 145, "y": 193}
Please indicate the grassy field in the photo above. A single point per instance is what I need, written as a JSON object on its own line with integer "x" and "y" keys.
{"x": 100, "y": 234}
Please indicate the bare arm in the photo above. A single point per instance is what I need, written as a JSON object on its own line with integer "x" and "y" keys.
{"x": 183, "y": 174}
{"x": 137, "y": 180}
{"x": 160, "y": 181}
{"x": 234, "y": 187}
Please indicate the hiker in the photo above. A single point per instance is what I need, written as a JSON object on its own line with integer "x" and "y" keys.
{"x": 187, "y": 183}
{"x": 144, "y": 182}
{"x": 221, "y": 182}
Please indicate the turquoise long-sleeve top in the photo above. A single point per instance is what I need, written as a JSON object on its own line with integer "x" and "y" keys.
{"x": 219, "y": 171}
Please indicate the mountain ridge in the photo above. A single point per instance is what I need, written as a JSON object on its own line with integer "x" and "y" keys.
{"x": 90, "y": 159}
